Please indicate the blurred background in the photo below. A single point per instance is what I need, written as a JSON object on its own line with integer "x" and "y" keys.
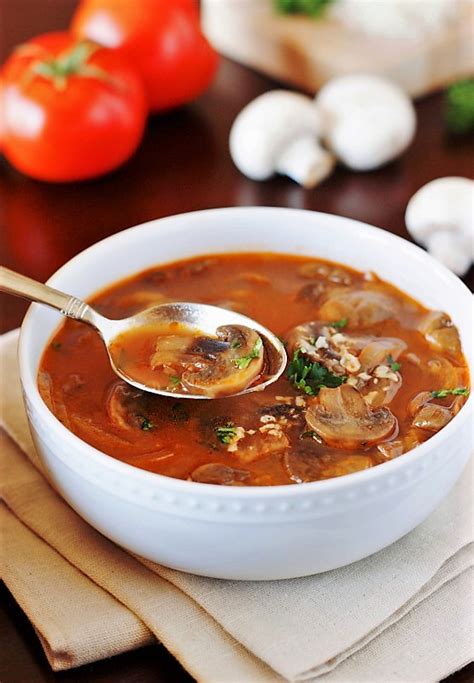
{"x": 56, "y": 199}
{"x": 183, "y": 161}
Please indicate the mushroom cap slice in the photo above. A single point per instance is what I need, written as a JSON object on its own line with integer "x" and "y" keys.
{"x": 229, "y": 363}
{"x": 344, "y": 420}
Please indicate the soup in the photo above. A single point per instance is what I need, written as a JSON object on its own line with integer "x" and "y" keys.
{"x": 371, "y": 374}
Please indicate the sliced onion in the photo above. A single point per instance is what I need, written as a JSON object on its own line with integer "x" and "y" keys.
{"x": 304, "y": 463}
{"x": 432, "y": 417}
{"x": 361, "y": 307}
{"x": 444, "y": 373}
{"x": 417, "y": 403}
{"x": 262, "y": 444}
{"x": 121, "y": 404}
{"x": 348, "y": 465}
{"x": 377, "y": 351}
{"x": 382, "y": 393}
{"x": 397, "y": 447}
{"x": 311, "y": 292}
{"x": 439, "y": 331}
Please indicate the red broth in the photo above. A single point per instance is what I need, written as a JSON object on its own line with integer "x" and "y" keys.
{"x": 366, "y": 362}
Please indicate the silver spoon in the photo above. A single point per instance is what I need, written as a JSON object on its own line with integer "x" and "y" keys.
{"x": 202, "y": 317}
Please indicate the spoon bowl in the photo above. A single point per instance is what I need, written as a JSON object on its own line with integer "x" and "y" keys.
{"x": 202, "y": 318}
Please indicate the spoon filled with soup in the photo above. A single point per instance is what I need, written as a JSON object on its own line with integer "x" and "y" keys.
{"x": 186, "y": 350}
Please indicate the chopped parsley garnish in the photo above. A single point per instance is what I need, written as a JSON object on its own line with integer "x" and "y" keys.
{"x": 339, "y": 324}
{"x": 174, "y": 380}
{"x": 244, "y": 362}
{"x": 309, "y": 377}
{"x": 227, "y": 433}
{"x": 393, "y": 363}
{"x": 442, "y": 393}
{"x": 315, "y": 8}
{"x": 145, "y": 423}
{"x": 236, "y": 344}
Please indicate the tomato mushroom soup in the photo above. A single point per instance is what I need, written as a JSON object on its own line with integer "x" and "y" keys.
{"x": 371, "y": 374}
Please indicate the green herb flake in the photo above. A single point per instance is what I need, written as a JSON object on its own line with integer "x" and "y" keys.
{"x": 393, "y": 363}
{"x": 459, "y": 106}
{"x": 175, "y": 381}
{"x": 314, "y": 8}
{"x": 226, "y": 434}
{"x": 458, "y": 391}
{"x": 145, "y": 423}
{"x": 309, "y": 377}
{"x": 236, "y": 344}
{"x": 244, "y": 362}
{"x": 339, "y": 324}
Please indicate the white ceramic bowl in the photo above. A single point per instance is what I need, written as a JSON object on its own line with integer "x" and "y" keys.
{"x": 255, "y": 532}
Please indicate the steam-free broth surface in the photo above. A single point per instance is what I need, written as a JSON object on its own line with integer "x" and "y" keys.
{"x": 371, "y": 375}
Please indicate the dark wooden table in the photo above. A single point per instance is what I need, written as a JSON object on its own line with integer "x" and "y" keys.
{"x": 182, "y": 165}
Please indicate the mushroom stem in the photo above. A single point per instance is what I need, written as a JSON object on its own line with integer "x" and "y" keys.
{"x": 305, "y": 161}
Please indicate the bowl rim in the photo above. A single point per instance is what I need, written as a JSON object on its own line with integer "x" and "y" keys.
{"x": 30, "y": 386}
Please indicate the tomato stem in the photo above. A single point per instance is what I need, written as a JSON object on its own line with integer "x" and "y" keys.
{"x": 73, "y": 62}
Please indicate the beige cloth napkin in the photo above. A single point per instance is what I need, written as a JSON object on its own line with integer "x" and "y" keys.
{"x": 401, "y": 615}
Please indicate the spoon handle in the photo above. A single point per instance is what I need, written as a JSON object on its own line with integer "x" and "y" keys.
{"x": 14, "y": 283}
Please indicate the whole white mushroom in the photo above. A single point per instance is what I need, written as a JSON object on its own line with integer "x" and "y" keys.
{"x": 441, "y": 217}
{"x": 278, "y": 133}
{"x": 367, "y": 120}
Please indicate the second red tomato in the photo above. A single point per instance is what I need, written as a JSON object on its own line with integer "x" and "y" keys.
{"x": 162, "y": 38}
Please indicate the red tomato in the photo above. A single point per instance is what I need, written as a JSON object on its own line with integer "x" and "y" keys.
{"x": 69, "y": 109}
{"x": 162, "y": 38}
